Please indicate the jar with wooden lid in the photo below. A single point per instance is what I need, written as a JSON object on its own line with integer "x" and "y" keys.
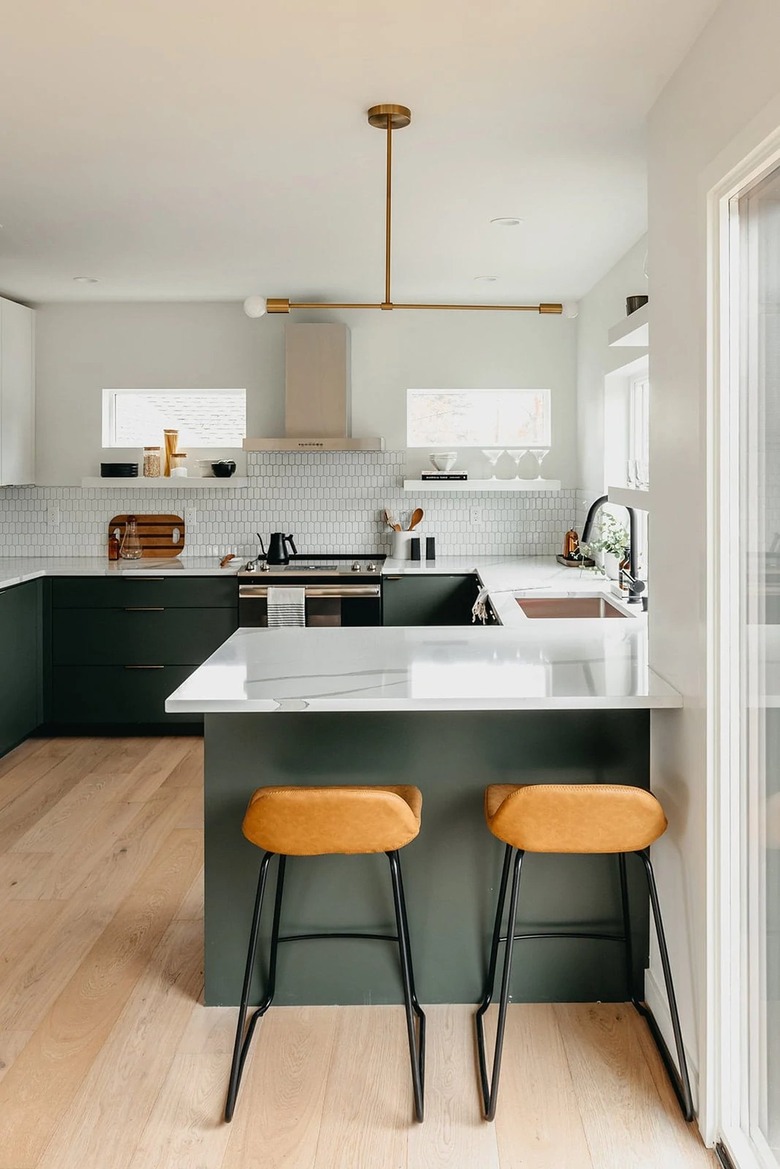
{"x": 179, "y": 464}
{"x": 152, "y": 462}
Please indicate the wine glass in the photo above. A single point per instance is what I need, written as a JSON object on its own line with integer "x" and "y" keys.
{"x": 492, "y": 455}
{"x": 540, "y": 454}
{"x": 516, "y": 455}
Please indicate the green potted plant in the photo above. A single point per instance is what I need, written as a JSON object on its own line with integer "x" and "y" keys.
{"x": 612, "y": 543}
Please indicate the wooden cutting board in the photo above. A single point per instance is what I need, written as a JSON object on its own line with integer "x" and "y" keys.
{"x": 160, "y": 535}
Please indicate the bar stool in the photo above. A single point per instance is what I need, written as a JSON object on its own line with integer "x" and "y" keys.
{"x": 321, "y": 821}
{"x": 571, "y": 818}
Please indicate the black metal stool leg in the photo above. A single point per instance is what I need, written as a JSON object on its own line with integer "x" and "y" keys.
{"x": 416, "y": 1035}
{"x": 679, "y": 1078}
{"x": 629, "y": 947}
{"x": 242, "y": 1042}
{"x": 490, "y": 1090}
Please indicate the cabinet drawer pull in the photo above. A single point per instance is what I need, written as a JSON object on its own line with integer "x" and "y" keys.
{"x": 144, "y": 609}
{"x": 134, "y": 577}
{"x": 144, "y": 667}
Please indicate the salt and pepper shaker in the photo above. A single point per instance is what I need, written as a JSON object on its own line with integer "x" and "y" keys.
{"x": 414, "y": 548}
{"x": 430, "y": 547}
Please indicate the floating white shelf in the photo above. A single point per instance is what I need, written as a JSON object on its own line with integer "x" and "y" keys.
{"x": 634, "y": 330}
{"x": 638, "y": 497}
{"x": 628, "y": 362}
{"x": 163, "y": 483}
{"x": 533, "y": 485}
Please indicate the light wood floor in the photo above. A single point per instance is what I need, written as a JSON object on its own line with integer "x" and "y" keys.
{"x": 108, "y": 1060}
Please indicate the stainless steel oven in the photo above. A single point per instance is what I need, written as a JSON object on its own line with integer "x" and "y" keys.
{"x": 339, "y": 591}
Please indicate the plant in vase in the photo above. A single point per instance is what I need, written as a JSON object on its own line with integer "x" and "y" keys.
{"x": 612, "y": 542}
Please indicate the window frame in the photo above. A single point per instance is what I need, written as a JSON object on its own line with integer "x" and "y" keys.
{"x": 108, "y": 412}
{"x": 544, "y": 443}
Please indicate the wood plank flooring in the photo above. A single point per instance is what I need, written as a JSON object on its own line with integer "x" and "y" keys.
{"x": 108, "y": 1060}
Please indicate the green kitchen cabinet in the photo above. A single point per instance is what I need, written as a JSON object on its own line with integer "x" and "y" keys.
{"x": 20, "y": 663}
{"x": 117, "y": 647}
{"x": 435, "y": 599}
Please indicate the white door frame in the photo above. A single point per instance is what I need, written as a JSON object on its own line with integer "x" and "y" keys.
{"x": 725, "y": 1089}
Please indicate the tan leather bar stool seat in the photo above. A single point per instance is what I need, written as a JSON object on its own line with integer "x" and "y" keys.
{"x": 578, "y": 818}
{"x": 320, "y": 821}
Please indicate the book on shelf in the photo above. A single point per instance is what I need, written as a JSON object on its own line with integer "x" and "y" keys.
{"x": 443, "y": 476}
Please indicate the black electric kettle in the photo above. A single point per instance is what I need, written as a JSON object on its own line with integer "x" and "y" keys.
{"x": 277, "y": 548}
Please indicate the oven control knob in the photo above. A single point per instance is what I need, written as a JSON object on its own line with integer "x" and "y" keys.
{"x": 355, "y": 566}
{"x": 370, "y": 567}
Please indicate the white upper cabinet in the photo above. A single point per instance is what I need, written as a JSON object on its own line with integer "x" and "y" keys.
{"x": 17, "y": 394}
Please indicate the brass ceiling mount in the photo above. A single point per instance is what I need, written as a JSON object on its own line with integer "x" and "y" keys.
{"x": 400, "y": 117}
{"x": 389, "y": 117}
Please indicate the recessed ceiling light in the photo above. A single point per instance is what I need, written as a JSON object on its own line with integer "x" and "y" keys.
{"x": 85, "y": 279}
{"x": 506, "y": 221}
{"x": 485, "y": 279}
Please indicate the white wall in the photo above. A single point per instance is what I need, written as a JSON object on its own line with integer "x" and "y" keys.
{"x": 600, "y": 309}
{"x": 83, "y": 348}
{"x": 706, "y": 119}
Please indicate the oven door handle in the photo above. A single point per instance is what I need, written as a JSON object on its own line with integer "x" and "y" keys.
{"x": 346, "y": 591}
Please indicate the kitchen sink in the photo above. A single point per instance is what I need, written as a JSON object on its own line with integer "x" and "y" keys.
{"x": 557, "y": 607}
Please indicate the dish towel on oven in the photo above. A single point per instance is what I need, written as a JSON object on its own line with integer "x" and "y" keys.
{"x": 286, "y": 606}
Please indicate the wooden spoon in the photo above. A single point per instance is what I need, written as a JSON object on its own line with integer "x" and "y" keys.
{"x": 417, "y": 515}
{"x": 390, "y": 521}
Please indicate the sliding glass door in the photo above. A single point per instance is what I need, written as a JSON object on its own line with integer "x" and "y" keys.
{"x": 750, "y": 696}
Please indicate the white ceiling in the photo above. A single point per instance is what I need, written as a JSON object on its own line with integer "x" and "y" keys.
{"x": 207, "y": 149}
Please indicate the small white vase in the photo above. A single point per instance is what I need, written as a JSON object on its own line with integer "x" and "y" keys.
{"x": 612, "y": 565}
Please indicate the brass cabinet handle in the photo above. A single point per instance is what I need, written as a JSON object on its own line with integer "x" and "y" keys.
{"x": 144, "y": 667}
{"x": 144, "y": 609}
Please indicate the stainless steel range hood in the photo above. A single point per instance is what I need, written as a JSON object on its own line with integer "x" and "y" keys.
{"x": 317, "y": 394}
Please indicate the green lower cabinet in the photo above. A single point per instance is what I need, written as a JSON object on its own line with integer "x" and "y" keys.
{"x": 116, "y": 695}
{"x": 20, "y": 663}
{"x": 119, "y": 648}
{"x": 428, "y": 600}
{"x": 142, "y": 636}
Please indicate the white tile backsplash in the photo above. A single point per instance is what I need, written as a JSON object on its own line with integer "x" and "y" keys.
{"x": 329, "y": 502}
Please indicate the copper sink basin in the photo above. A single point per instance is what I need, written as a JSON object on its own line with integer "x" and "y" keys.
{"x": 557, "y": 607}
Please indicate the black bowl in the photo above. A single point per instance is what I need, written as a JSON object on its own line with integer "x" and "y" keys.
{"x": 118, "y": 470}
{"x": 224, "y": 468}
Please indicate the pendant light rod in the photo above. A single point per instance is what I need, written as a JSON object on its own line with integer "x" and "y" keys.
{"x": 388, "y": 207}
{"x": 389, "y": 118}
{"x": 278, "y": 304}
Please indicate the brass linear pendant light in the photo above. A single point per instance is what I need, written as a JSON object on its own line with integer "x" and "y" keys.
{"x": 390, "y": 118}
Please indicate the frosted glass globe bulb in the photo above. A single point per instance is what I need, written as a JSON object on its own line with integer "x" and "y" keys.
{"x": 254, "y": 306}
{"x": 571, "y": 309}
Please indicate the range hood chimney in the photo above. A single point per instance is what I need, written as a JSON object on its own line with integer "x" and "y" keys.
{"x": 317, "y": 394}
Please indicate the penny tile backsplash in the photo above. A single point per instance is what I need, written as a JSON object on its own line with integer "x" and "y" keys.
{"x": 329, "y": 502}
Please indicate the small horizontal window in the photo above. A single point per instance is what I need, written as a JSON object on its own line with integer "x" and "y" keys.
{"x": 478, "y": 418}
{"x": 203, "y": 418}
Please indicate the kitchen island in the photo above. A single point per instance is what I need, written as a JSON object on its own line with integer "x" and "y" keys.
{"x": 450, "y": 710}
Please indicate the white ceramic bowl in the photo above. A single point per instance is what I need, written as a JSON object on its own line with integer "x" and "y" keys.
{"x": 444, "y": 460}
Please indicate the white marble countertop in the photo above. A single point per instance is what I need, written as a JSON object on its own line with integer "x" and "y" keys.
{"x": 18, "y": 569}
{"x": 563, "y": 665}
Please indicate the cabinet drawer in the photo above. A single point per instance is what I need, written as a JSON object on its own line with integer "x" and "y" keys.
{"x": 100, "y": 592}
{"x": 98, "y": 695}
{"x": 139, "y": 635}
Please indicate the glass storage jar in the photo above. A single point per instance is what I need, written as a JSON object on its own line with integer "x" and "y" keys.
{"x": 152, "y": 462}
{"x": 179, "y": 464}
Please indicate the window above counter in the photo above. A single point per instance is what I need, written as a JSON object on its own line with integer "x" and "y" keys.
{"x": 210, "y": 418}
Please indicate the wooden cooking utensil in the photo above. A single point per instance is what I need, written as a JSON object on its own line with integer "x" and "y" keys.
{"x": 390, "y": 521}
{"x": 417, "y": 515}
